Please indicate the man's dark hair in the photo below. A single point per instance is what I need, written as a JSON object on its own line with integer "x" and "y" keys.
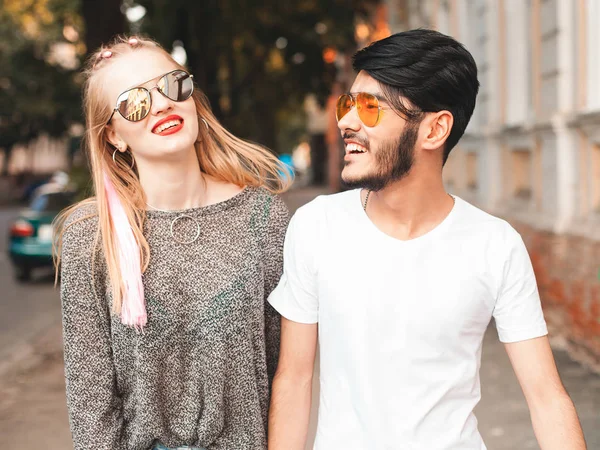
{"x": 431, "y": 70}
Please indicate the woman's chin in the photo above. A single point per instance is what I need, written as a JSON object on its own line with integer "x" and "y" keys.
{"x": 171, "y": 153}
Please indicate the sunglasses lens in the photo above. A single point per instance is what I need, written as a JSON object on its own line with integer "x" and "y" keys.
{"x": 134, "y": 104}
{"x": 367, "y": 106}
{"x": 343, "y": 106}
{"x": 177, "y": 85}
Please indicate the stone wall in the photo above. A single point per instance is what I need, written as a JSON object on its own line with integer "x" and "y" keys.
{"x": 567, "y": 271}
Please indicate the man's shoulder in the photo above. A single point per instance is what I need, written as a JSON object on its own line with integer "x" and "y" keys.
{"x": 482, "y": 222}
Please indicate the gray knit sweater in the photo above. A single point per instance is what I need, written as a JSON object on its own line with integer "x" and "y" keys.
{"x": 200, "y": 372}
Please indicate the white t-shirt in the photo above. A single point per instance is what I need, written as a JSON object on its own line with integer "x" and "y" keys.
{"x": 401, "y": 323}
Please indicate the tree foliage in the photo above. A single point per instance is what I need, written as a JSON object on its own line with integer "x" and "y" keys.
{"x": 38, "y": 88}
{"x": 254, "y": 85}
{"x": 256, "y": 61}
{"x": 103, "y": 20}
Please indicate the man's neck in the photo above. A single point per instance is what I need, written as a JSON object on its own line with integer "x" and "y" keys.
{"x": 409, "y": 208}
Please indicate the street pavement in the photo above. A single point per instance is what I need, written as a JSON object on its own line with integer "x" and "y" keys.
{"x": 26, "y": 310}
{"x": 33, "y": 410}
{"x": 32, "y": 400}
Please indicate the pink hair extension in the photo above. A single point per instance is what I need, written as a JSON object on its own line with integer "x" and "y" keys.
{"x": 133, "y": 306}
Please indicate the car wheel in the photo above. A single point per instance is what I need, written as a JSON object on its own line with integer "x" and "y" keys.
{"x": 23, "y": 273}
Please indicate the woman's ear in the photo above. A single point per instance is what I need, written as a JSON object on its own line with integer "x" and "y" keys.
{"x": 115, "y": 140}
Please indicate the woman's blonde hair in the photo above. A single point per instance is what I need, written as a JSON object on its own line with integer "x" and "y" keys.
{"x": 220, "y": 154}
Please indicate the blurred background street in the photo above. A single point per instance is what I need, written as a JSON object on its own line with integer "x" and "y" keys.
{"x": 272, "y": 72}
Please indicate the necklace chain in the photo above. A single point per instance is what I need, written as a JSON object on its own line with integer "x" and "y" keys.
{"x": 366, "y": 200}
{"x": 158, "y": 209}
{"x": 168, "y": 210}
{"x": 171, "y": 211}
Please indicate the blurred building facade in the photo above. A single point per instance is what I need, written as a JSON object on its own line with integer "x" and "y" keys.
{"x": 531, "y": 153}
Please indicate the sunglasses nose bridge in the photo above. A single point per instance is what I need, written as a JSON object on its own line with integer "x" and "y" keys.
{"x": 159, "y": 103}
{"x": 158, "y": 89}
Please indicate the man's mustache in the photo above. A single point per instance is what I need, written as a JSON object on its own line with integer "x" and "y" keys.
{"x": 356, "y": 138}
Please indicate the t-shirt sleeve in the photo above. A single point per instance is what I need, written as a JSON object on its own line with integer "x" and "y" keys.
{"x": 295, "y": 297}
{"x": 518, "y": 310}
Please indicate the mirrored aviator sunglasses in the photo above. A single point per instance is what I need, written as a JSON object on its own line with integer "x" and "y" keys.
{"x": 134, "y": 104}
{"x": 367, "y": 107}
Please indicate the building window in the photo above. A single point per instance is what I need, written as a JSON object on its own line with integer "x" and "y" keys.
{"x": 548, "y": 58}
{"x": 521, "y": 174}
{"x": 518, "y": 55}
{"x": 471, "y": 163}
{"x": 592, "y": 60}
{"x": 452, "y": 169}
{"x": 581, "y": 55}
{"x": 443, "y": 18}
{"x": 596, "y": 178}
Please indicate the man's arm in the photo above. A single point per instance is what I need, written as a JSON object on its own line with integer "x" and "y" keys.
{"x": 553, "y": 414}
{"x": 292, "y": 386}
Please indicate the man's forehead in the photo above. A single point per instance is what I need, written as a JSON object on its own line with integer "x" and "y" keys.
{"x": 366, "y": 83}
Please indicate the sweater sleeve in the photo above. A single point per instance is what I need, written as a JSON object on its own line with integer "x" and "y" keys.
{"x": 95, "y": 412}
{"x": 278, "y": 218}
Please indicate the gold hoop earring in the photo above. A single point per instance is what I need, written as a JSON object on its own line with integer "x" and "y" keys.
{"x": 132, "y": 158}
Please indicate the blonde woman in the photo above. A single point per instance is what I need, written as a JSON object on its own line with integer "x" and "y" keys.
{"x": 168, "y": 340}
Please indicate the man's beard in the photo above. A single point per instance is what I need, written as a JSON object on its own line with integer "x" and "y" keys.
{"x": 393, "y": 161}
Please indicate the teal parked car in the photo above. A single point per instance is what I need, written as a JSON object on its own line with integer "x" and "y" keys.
{"x": 31, "y": 234}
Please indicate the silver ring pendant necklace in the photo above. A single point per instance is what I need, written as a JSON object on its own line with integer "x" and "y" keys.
{"x": 177, "y": 219}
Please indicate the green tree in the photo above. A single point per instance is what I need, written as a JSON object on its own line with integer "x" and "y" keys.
{"x": 253, "y": 84}
{"x": 38, "y": 89}
{"x": 103, "y": 20}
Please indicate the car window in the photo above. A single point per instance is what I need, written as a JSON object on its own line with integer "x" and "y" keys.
{"x": 51, "y": 202}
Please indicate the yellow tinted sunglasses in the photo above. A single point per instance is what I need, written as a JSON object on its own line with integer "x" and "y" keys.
{"x": 367, "y": 107}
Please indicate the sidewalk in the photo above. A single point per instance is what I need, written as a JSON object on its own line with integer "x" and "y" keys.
{"x": 33, "y": 410}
